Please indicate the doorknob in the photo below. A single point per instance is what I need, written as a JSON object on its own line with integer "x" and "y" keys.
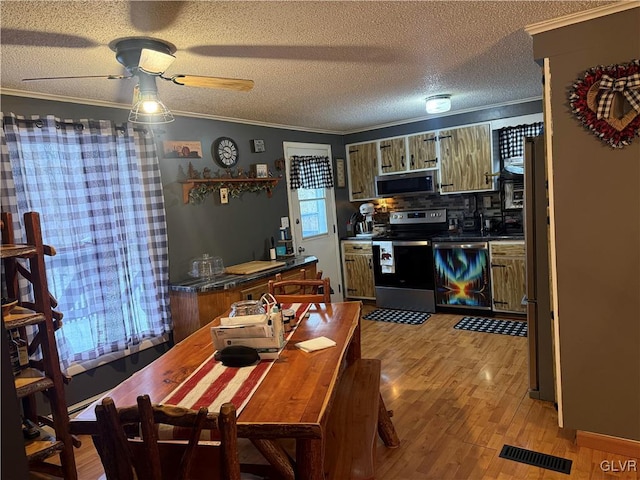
{"x": 300, "y": 249}
{"x": 297, "y": 221}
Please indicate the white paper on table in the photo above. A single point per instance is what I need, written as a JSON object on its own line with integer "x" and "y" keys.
{"x": 387, "y": 263}
{"x": 314, "y": 344}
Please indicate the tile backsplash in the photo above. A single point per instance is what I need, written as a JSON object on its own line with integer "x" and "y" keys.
{"x": 458, "y": 206}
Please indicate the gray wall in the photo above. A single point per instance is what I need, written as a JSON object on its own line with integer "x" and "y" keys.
{"x": 596, "y": 194}
{"x": 239, "y": 231}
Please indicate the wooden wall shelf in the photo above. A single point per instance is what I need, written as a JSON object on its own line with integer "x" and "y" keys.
{"x": 236, "y": 186}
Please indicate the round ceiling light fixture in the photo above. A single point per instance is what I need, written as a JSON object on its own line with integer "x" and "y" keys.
{"x": 439, "y": 103}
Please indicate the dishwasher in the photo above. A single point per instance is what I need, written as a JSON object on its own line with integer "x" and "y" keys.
{"x": 462, "y": 275}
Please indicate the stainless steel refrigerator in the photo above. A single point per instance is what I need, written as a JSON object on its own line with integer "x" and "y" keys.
{"x": 539, "y": 312}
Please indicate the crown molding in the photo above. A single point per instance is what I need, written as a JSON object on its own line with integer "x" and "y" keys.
{"x": 448, "y": 114}
{"x": 101, "y": 103}
{"x": 578, "y": 17}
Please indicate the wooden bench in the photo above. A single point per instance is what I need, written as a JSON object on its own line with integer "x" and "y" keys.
{"x": 353, "y": 422}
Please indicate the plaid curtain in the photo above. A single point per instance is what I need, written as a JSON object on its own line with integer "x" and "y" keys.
{"x": 512, "y": 139}
{"x": 98, "y": 190}
{"x": 310, "y": 172}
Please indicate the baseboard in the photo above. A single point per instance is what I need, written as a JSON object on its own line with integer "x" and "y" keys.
{"x": 606, "y": 443}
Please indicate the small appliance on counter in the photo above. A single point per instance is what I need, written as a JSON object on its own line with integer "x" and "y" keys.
{"x": 361, "y": 222}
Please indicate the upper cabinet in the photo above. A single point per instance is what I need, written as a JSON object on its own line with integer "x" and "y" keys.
{"x": 465, "y": 159}
{"x": 393, "y": 155}
{"x": 423, "y": 151}
{"x": 462, "y": 155}
{"x": 363, "y": 168}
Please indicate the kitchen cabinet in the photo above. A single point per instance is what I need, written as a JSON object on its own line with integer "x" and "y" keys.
{"x": 362, "y": 169}
{"x": 37, "y": 375}
{"x": 357, "y": 265}
{"x": 508, "y": 276}
{"x": 423, "y": 151}
{"x": 466, "y": 162}
{"x": 393, "y": 155}
{"x": 193, "y": 306}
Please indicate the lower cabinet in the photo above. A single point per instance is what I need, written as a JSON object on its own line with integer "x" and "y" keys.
{"x": 357, "y": 265}
{"x": 192, "y": 310}
{"x": 508, "y": 276}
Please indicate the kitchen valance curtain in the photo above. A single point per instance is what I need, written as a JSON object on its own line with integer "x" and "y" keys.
{"x": 512, "y": 139}
{"x": 98, "y": 190}
{"x": 310, "y": 172}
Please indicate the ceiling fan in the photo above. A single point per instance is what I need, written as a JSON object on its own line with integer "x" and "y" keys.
{"x": 147, "y": 59}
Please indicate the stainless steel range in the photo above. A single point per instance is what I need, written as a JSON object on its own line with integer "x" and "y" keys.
{"x": 403, "y": 260}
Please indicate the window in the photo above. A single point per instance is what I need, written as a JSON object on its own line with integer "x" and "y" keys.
{"x": 313, "y": 211}
{"x": 98, "y": 190}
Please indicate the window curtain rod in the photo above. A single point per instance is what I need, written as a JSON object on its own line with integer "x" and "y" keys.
{"x": 78, "y": 126}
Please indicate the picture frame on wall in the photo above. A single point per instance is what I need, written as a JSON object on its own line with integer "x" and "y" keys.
{"x": 257, "y": 146}
{"x": 340, "y": 174}
{"x": 182, "y": 149}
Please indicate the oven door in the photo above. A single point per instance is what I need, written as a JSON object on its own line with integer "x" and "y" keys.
{"x": 412, "y": 265}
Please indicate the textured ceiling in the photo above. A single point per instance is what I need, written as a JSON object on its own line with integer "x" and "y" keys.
{"x": 323, "y": 66}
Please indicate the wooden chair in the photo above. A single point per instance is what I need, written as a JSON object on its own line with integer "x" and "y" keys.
{"x": 152, "y": 459}
{"x": 307, "y": 291}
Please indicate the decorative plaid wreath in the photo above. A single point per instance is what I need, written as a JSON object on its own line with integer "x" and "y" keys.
{"x": 592, "y": 100}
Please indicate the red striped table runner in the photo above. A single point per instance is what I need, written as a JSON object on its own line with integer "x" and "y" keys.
{"x": 213, "y": 384}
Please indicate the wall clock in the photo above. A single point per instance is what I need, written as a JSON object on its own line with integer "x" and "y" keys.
{"x": 225, "y": 151}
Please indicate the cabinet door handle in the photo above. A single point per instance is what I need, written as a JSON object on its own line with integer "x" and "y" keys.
{"x": 353, "y": 151}
{"x": 412, "y": 164}
{"x": 356, "y": 193}
{"x": 446, "y": 185}
{"x": 498, "y": 265}
{"x": 402, "y": 160}
{"x": 370, "y": 263}
{"x": 432, "y": 139}
{"x": 355, "y": 247}
{"x": 384, "y": 146}
{"x": 442, "y": 137}
{"x": 387, "y": 166}
{"x": 496, "y": 302}
{"x": 434, "y": 160}
{"x": 348, "y": 260}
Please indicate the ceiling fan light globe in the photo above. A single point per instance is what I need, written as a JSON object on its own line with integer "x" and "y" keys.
{"x": 150, "y": 106}
{"x": 162, "y": 114}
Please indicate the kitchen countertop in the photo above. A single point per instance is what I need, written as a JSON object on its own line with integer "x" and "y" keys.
{"x": 227, "y": 280}
{"x": 476, "y": 237}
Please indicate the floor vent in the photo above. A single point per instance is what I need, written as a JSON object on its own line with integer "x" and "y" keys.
{"x": 536, "y": 459}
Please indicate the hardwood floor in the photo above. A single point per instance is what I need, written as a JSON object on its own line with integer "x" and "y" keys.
{"x": 457, "y": 398}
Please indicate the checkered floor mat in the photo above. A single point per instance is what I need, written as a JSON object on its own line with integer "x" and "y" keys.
{"x": 493, "y": 325}
{"x": 407, "y": 317}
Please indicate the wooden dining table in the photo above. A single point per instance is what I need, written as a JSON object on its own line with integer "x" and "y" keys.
{"x": 291, "y": 402}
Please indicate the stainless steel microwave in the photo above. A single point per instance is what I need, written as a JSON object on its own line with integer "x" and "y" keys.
{"x": 406, "y": 183}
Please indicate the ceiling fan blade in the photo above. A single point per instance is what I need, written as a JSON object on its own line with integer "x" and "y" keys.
{"x": 212, "y": 82}
{"x": 109, "y": 77}
{"x": 154, "y": 62}
{"x": 15, "y": 36}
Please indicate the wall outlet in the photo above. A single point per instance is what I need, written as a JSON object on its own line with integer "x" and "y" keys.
{"x": 486, "y": 201}
{"x": 224, "y": 195}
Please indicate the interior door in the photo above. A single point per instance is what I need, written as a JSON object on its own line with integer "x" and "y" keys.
{"x": 313, "y": 218}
